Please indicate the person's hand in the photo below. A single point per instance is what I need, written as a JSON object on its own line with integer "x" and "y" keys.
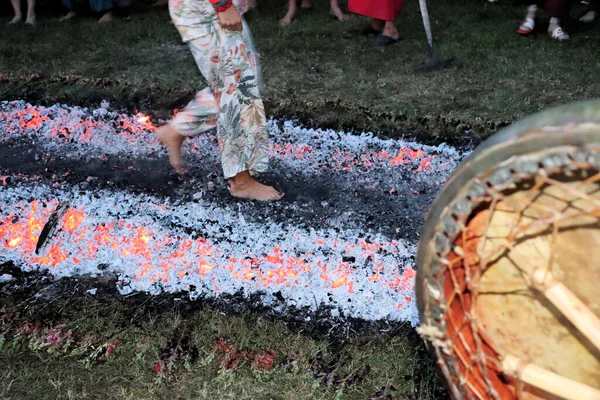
{"x": 230, "y": 19}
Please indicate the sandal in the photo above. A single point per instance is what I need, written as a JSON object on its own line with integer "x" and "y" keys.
{"x": 559, "y": 34}
{"x": 526, "y": 26}
{"x": 383, "y": 40}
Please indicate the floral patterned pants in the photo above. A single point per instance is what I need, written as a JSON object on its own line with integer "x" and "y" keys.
{"x": 232, "y": 102}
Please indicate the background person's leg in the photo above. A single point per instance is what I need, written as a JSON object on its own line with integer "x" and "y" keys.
{"x": 16, "y": 4}
{"x": 30, "y": 12}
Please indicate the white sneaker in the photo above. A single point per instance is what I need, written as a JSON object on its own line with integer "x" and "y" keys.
{"x": 559, "y": 34}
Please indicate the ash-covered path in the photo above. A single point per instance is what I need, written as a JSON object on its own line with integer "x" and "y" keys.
{"x": 344, "y": 237}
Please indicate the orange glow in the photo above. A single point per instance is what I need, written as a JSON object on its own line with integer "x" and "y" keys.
{"x": 162, "y": 258}
{"x": 339, "y": 282}
{"x": 14, "y": 242}
{"x": 72, "y": 220}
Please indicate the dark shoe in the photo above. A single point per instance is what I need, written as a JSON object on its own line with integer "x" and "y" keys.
{"x": 383, "y": 40}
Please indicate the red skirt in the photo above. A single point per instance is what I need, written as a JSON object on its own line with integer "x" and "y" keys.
{"x": 378, "y": 9}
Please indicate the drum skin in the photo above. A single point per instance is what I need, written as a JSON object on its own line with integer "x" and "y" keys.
{"x": 560, "y": 147}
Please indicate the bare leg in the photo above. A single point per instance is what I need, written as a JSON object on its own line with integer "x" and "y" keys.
{"x": 306, "y": 4}
{"x": 172, "y": 141}
{"x": 108, "y": 17}
{"x": 244, "y": 186}
{"x": 70, "y": 15}
{"x": 17, "y": 9}
{"x": 30, "y": 12}
{"x": 289, "y": 16}
{"x": 336, "y": 11}
{"x": 251, "y": 4}
{"x": 378, "y": 24}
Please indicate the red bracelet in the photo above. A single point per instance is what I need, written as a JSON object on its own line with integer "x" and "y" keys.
{"x": 224, "y": 7}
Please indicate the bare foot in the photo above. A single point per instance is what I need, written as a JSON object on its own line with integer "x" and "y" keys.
{"x": 17, "y": 18}
{"x": 287, "y": 20}
{"x": 306, "y": 4}
{"x": 390, "y": 30}
{"x": 30, "y": 21}
{"x": 70, "y": 15}
{"x": 172, "y": 141}
{"x": 244, "y": 186}
{"x": 339, "y": 14}
{"x": 106, "y": 18}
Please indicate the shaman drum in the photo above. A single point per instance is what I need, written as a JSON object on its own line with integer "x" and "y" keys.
{"x": 508, "y": 280}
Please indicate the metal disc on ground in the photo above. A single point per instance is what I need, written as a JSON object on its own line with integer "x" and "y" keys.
{"x": 508, "y": 271}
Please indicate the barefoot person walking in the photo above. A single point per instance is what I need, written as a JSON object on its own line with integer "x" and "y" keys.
{"x": 221, "y": 44}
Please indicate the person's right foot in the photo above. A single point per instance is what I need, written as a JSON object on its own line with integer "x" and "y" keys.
{"x": 172, "y": 141}
{"x": 30, "y": 21}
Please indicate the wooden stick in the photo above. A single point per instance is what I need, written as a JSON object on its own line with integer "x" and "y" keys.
{"x": 548, "y": 381}
{"x": 574, "y": 309}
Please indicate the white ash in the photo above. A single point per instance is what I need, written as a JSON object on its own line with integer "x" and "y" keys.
{"x": 173, "y": 266}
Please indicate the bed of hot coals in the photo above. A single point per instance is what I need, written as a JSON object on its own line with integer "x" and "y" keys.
{"x": 90, "y": 192}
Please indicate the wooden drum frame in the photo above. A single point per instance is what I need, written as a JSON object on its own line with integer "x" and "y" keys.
{"x": 508, "y": 280}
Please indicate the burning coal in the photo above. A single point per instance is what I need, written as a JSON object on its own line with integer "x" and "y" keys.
{"x": 340, "y": 250}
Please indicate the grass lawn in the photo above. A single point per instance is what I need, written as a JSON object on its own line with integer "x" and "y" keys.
{"x": 71, "y": 345}
{"x": 316, "y": 70}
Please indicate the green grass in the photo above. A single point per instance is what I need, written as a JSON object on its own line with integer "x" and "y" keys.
{"x": 317, "y": 71}
{"x": 152, "y": 330}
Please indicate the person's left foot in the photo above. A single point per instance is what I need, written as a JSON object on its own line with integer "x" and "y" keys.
{"x": 30, "y": 20}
